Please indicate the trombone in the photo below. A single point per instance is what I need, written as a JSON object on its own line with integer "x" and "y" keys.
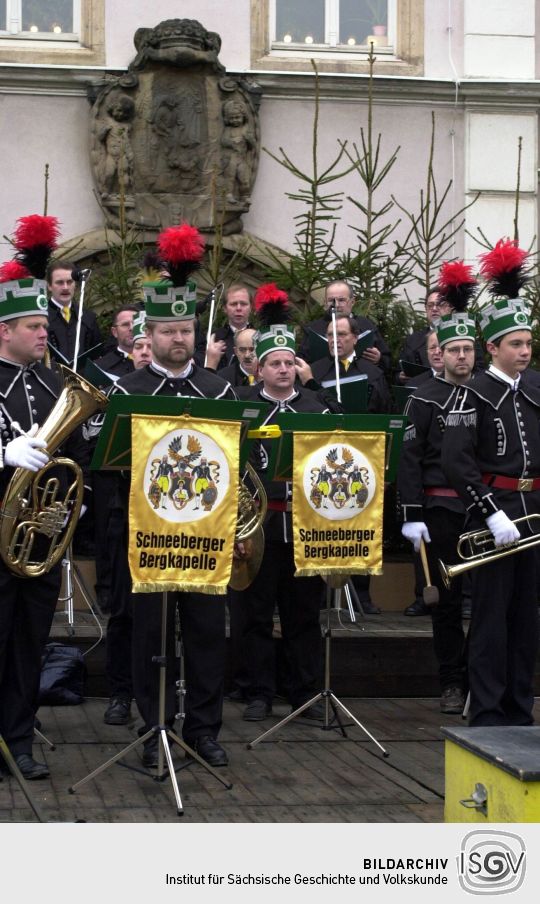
{"x": 480, "y": 549}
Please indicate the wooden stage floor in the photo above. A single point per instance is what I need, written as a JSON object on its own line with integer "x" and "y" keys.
{"x": 303, "y": 774}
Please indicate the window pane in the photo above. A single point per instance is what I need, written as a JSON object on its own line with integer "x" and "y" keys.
{"x": 358, "y": 18}
{"x": 3, "y": 24}
{"x": 300, "y": 19}
{"x": 54, "y": 16}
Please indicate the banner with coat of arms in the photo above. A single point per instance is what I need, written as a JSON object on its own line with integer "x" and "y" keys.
{"x": 183, "y": 503}
{"x": 338, "y": 490}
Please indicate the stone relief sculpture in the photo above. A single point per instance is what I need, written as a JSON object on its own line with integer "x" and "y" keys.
{"x": 176, "y": 135}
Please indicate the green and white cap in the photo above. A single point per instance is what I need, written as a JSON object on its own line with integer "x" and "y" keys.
{"x": 163, "y": 301}
{"x": 455, "y": 326}
{"x": 507, "y": 315}
{"x": 23, "y": 298}
{"x": 139, "y": 326}
{"x": 274, "y": 339}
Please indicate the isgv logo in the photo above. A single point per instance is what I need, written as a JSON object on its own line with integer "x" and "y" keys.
{"x": 491, "y": 863}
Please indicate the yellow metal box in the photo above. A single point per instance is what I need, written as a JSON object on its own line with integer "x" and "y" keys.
{"x": 492, "y": 774}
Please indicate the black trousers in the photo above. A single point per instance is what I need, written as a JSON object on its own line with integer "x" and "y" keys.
{"x": 134, "y": 639}
{"x": 445, "y": 527}
{"x": 298, "y": 601}
{"x": 503, "y": 641}
{"x": 26, "y": 612}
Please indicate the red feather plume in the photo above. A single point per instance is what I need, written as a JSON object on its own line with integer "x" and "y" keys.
{"x": 36, "y": 230}
{"x": 456, "y": 284}
{"x": 502, "y": 268}
{"x": 35, "y": 239}
{"x": 13, "y": 270}
{"x": 181, "y": 248}
{"x": 271, "y": 304}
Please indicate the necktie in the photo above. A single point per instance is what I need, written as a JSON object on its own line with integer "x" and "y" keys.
{"x": 345, "y": 364}
{"x": 67, "y": 313}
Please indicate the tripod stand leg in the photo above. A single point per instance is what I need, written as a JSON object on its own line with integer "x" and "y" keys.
{"x": 18, "y": 776}
{"x": 114, "y": 759}
{"x": 43, "y": 739}
{"x": 356, "y": 721}
{"x": 195, "y": 756}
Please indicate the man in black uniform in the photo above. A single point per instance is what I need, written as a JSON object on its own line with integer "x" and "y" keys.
{"x": 63, "y": 314}
{"x": 347, "y": 331}
{"x": 340, "y": 295}
{"x": 432, "y": 511}
{"x": 170, "y": 322}
{"x": 237, "y": 309}
{"x": 28, "y": 392}
{"x": 491, "y": 455}
{"x": 242, "y": 372}
{"x": 118, "y": 361}
{"x": 298, "y": 599}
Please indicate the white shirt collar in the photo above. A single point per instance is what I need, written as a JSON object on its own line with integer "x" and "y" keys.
{"x": 59, "y": 304}
{"x": 504, "y": 377}
{"x": 167, "y": 373}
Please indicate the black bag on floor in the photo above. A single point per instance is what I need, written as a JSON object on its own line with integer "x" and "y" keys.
{"x": 63, "y": 676}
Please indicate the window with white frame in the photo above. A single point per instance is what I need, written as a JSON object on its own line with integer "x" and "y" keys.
{"x": 53, "y": 20}
{"x": 323, "y": 26}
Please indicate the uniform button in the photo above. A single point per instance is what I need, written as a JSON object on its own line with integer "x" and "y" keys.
{"x": 469, "y": 488}
{"x": 34, "y": 411}
{"x": 484, "y": 510}
{"x": 32, "y": 398}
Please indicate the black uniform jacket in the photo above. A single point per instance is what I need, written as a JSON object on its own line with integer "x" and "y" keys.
{"x": 62, "y": 334}
{"x": 493, "y": 430}
{"x": 27, "y": 395}
{"x": 420, "y": 461}
{"x": 379, "y": 399}
{"x": 320, "y": 326}
{"x": 200, "y": 383}
{"x": 277, "y": 524}
{"x": 115, "y": 362}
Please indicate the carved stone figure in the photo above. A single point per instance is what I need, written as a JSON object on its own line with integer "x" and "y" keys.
{"x": 176, "y": 134}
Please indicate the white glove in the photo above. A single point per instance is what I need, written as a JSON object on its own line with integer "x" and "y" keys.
{"x": 24, "y": 451}
{"x": 415, "y": 531}
{"x": 503, "y": 529}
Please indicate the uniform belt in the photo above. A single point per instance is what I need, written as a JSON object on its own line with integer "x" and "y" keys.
{"x": 440, "y": 491}
{"x": 276, "y": 506}
{"x": 520, "y": 484}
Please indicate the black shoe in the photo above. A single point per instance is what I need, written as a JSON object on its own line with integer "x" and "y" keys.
{"x": 314, "y": 713}
{"x": 370, "y": 608}
{"x": 452, "y": 701}
{"x": 209, "y": 750}
{"x": 150, "y": 753}
{"x": 236, "y": 695}
{"x": 118, "y": 711}
{"x": 29, "y": 769}
{"x": 256, "y": 711}
{"x": 417, "y": 608}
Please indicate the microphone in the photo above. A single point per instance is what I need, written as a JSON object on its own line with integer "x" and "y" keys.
{"x": 80, "y": 275}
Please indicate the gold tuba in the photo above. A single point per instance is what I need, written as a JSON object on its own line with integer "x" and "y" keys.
{"x": 31, "y": 506}
{"x": 249, "y": 531}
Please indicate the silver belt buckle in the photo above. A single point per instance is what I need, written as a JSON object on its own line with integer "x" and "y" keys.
{"x": 525, "y": 484}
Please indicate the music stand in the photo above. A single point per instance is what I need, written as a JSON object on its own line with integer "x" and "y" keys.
{"x": 113, "y": 451}
{"x": 280, "y": 465}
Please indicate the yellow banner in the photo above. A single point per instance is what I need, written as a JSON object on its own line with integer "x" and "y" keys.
{"x": 183, "y": 503}
{"x": 338, "y": 491}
